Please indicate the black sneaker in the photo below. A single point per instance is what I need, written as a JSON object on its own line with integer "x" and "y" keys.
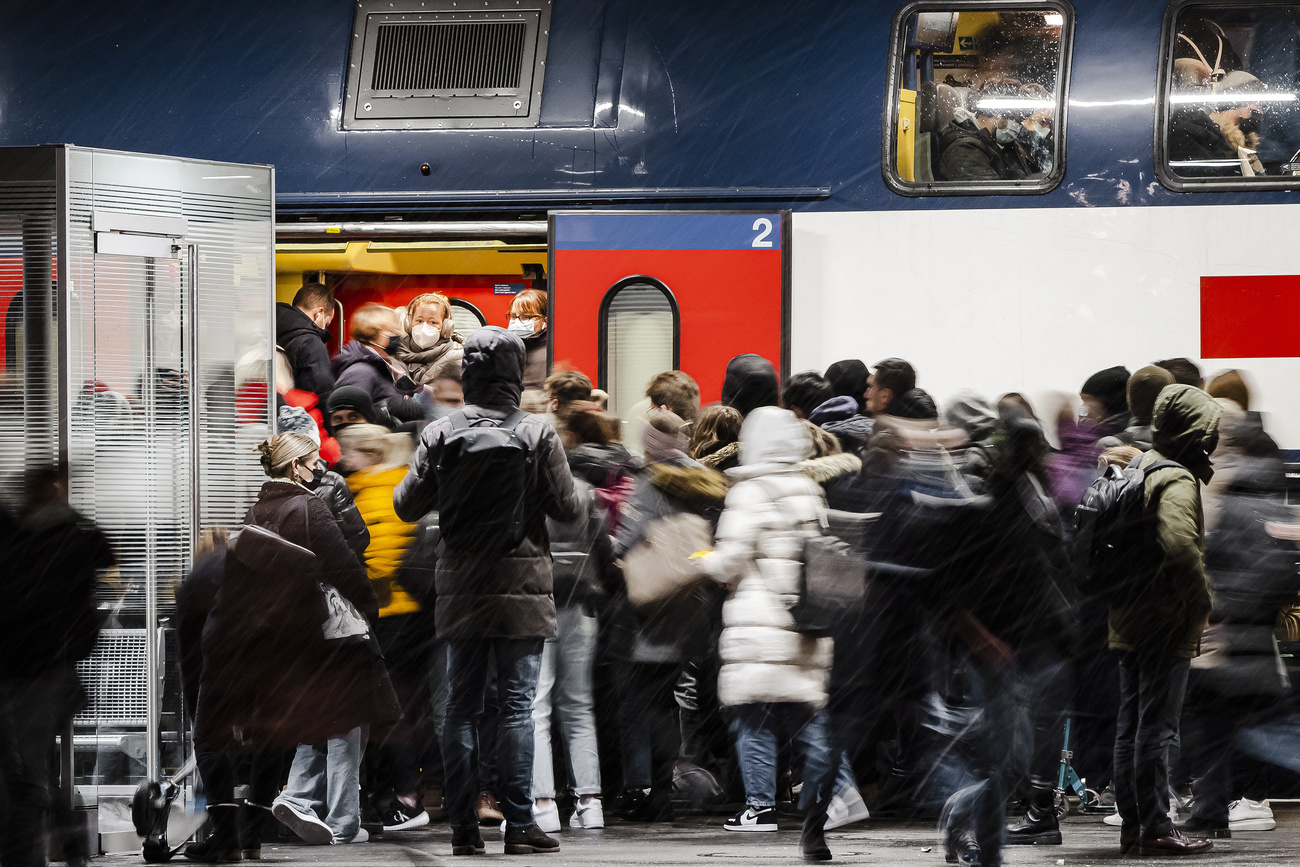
{"x": 467, "y": 841}
{"x": 400, "y": 817}
{"x": 751, "y": 819}
{"x": 1198, "y": 827}
{"x": 529, "y": 841}
{"x": 640, "y": 807}
{"x": 213, "y": 851}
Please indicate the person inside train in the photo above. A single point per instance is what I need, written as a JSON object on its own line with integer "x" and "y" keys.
{"x": 804, "y": 392}
{"x": 527, "y": 321}
{"x": 994, "y": 140}
{"x": 300, "y": 330}
{"x": 430, "y": 346}
{"x": 1197, "y": 144}
{"x": 369, "y": 362}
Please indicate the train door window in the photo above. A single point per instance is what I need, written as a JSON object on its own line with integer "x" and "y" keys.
{"x": 977, "y": 94}
{"x": 1228, "y": 109}
{"x": 465, "y": 317}
{"x": 640, "y": 331}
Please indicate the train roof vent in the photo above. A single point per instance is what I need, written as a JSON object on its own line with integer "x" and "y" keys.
{"x": 434, "y": 65}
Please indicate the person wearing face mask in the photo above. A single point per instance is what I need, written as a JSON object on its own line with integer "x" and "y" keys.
{"x": 329, "y": 486}
{"x": 271, "y": 677}
{"x": 528, "y": 323}
{"x": 430, "y": 348}
{"x": 300, "y": 332}
{"x": 369, "y": 360}
{"x": 987, "y": 143}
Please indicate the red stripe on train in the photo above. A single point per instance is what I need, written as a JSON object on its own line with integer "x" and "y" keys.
{"x": 1250, "y": 317}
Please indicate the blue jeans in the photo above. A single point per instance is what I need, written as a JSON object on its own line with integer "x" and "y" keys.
{"x": 326, "y": 778}
{"x": 757, "y": 727}
{"x": 518, "y": 662}
{"x": 565, "y": 688}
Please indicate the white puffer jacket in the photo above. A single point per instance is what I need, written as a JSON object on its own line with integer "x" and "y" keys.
{"x": 770, "y": 511}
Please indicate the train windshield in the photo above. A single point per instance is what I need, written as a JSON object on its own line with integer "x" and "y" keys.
{"x": 1230, "y": 115}
{"x": 977, "y": 101}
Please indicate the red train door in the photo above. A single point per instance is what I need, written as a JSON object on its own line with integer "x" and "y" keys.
{"x": 634, "y": 293}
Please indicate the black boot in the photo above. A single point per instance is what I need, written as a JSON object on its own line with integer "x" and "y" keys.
{"x": 222, "y": 845}
{"x": 812, "y": 840}
{"x": 1039, "y": 825}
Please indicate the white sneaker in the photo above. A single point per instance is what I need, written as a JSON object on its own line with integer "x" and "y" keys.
{"x": 547, "y": 815}
{"x": 362, "y": 836}
{"x": 307, "y": 825}
{"x": 1248, "y": 815}
{"x": 1113, "y": 819}
{"x": 845, "y": 808}
{"x": 589, "y": 815}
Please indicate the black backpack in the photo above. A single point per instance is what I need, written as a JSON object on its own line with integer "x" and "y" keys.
{"x": 1115, "y": 544}
{"x": 483, "y": 481}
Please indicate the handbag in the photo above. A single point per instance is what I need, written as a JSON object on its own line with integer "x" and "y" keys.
{"x": 660, "y": 567}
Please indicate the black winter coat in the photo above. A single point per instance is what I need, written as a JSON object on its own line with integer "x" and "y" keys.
{"x": 357, "y": 366}
{"x": 268, "y": 672}
{"x": 333, "y": 490}
{"x": 582, "y": 553}
{"x": 1198, "y": 148}
{"x": 491, "y": 594}
{"x": 970, "y": 153}
{"x": 306, "y": 347}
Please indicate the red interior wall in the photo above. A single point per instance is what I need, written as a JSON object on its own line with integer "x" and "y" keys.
{"x": 354, "y": 290}
{"x": 729, "y": 303}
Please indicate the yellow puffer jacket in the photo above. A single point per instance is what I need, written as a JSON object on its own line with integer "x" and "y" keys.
{"x": 390, "y": 537}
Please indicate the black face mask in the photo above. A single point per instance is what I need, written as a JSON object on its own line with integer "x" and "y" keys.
{"x": 1250, "y": 125}
{"x": 394, "y": 343}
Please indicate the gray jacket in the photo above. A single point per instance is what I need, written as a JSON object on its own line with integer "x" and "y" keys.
{"x": 495, "y": 595}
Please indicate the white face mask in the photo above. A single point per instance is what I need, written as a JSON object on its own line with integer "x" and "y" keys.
{"x": 1005, "y": 134}
{"x": 522, "y": 327}
{"x": 425, "y": 336}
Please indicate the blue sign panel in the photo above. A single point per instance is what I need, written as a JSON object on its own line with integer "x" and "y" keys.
{"x": 507, "y": 288}
{"x": 668, "y": 231}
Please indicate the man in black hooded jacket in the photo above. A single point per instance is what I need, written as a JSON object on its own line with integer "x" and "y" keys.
{"x": 300, "y": 332}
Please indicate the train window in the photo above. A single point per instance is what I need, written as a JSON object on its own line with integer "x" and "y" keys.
{"x": 976, "y": 96}
{"x": 639, "y": 337}
{"x": 465, "y": 317}
{"x": 1228, "y": 112}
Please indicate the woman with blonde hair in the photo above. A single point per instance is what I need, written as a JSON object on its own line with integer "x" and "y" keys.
{"x": 431, "y": 348}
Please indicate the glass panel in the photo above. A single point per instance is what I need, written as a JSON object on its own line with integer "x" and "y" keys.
{"x": 978, "y": 100}
{"x": 639, "y": 332}
{"x": 1232, "y": 109}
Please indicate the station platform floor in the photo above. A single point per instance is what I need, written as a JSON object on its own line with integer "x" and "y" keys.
{"x": 702, "y": 841}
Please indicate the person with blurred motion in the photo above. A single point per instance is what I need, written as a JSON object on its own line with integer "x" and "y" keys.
{"x": 715, "y": 438}
{"x": 329, "y": 485}
{"x": 804, "y": 392}
{"x": 494, "y": 474}
{"x": 445, "y": 394}
{"x": 750, "y": 382}
{"x": 1140, "y": 392}
{"x": 659, "y": 640}
{"x": 349, "y": 405}
{"x": 1156, "y": 623}
{"x": 288, "y": 658}
{"x": 843, "y": 414}
{"x": 975, "y": 419}
{"x": 527, "y": 321}
{"x": 584, "y": 570}
{"x": 54, "y": 557}
{"x": 300, "y": 330}
{"x": 378, "y": 458}
{"x": 431, "y": 345}
{"x": 1185, "y": 371}
{"x": 1239, "y": 679}
{"x": 773, "y": 678}
{"x": 677, "y": 392}
{"x": 891, "y": 379}
{"x": 1230, "y": 385}
{"x": 1105, "y": 413}
{"x": 369, "y": 360}
{"x": 564, "y": 389}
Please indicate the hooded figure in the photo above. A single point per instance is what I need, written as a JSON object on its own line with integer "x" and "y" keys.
{"x": 1166, "y": 613}
{"x": 750, "y": 383}
{"x": 1109, "y": 388}
{"x": 306, "y": 349}
{"x": 771, "y": 509}
{"x": 848, "y": 378}
{"x": 1142, "y": 389}
{"x": 976, "y": 417}
{"x": 495, "y": 595}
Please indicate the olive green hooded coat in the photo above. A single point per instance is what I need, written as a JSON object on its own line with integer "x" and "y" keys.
{"x": 1166, "y": 615}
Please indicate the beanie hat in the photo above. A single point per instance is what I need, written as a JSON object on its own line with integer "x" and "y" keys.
{"x": 1232, "y": 386}
{"x": 353, "y": 398}
{"x": 914, "y": 404}
{"x": 295, "y": 419}
{"x": 750, "y": 383}
{"x": 1143, "y": 388}
{"x": 848, "y": 378}
{"x": 1109, "y": 387}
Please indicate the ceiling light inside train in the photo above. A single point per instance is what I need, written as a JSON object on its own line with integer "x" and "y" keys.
{"x": 994, "y": 103}
{"x": 1054, "y": 19}
{"x": 1239, "y": 98}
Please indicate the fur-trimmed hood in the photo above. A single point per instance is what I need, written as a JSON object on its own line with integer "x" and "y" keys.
{"x": 826, "y": 469}
{"x": 694, "y": 485}
{"x": 715, "y": 459}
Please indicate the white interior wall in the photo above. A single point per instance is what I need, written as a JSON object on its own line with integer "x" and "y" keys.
{"x": 1034, "y": 300}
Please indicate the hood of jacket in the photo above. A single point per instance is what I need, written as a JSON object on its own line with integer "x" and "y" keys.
{"x": 750, "y": 383}
{"x": 835, "y": 409}
{"x": 593, "y": 462}
{"x": 356, "y": 352}
{"x": 492, "y": 372}
{"x": 688, "y": 482}
{"x": 773, "y": 436}
{"x": 1185, "y": 427}
{"x": 971, "y": 413}
{"x": 826, "y": 469}
{"x": 720, "y": 455}
{"x": 290, "y": 322}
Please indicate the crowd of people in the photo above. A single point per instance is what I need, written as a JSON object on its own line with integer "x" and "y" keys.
{"x": 468, "y": 591}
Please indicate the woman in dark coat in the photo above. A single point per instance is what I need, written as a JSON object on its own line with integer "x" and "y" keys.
{"x": 270, "y": 676}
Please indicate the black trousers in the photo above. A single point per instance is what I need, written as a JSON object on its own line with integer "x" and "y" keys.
{"x": 222, "y": 768}
{"x": 1151, "y": 690}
